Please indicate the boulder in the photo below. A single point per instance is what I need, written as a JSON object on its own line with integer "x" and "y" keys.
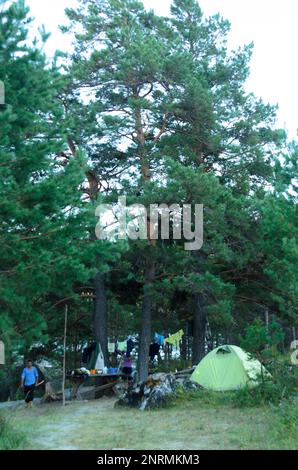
{"x": 187, "y": 384}
{"x": 155, "y": 392}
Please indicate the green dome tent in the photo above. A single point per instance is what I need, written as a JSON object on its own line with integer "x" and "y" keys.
{"x": 228, "y": 368}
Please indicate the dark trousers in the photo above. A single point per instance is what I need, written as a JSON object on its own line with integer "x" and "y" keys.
{"x": 29, "y": 393}
{"x": 127, "y": 371}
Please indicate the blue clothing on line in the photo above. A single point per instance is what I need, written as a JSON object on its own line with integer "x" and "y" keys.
{"x": 160, "y": 339}
{"x": 29, "y": 376}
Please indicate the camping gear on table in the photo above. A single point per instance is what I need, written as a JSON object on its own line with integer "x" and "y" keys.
{"x": 228, "y": 367}
{"x": 81, "y": 371}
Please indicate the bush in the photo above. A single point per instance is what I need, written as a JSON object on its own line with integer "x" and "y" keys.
{"x": 282, "y": 386}
{"x": 202, "y": 397}
{"x": 10, "y": 438}
{"x": 264, "y": 394}
{"x": 263, "y": 343}
{"x": 285, "y": 424}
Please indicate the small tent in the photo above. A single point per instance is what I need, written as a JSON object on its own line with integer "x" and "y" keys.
{"x": 96, "y": 360}
{"x": 228, "y": 367}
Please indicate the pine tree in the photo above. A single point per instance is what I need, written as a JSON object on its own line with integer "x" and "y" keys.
{"x": 168, "y": 120}
{"x": 45, "y": 252}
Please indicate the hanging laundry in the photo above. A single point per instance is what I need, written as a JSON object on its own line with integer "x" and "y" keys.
{"x": 129, "y": 346}
{"x": 154, "y": 350}
{"x": 121, "y": 346}
{"x": 87, "y": 352}
{"x": 159, "y": 339}
{"x": 175, "y": 339}
{"x": 111, "y": 347}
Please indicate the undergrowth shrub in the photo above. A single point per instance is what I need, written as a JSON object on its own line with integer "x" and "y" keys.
{"x": 280, "y": 387}
{"x": 285, "y": 423}
{"x": 10, "y": 438}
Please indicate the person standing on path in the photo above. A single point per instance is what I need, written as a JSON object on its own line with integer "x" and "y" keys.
{"x": 29, "y": 381}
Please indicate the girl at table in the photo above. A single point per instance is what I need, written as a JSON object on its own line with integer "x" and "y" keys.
{"x": 127, "y": 368}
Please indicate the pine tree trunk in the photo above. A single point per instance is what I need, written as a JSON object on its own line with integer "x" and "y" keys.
{"x": 64, "y": 356}
{"x": 183, "y": 349}
{"x": 199, "y": 330}
{"x": 145, "y": 330}
{"x": 11, "y": 383}
{"x": 188, "y": 351}
{"x": 100, "y": 315}
{"x": 101, "y": 309}
{"x": 75, "y": 353}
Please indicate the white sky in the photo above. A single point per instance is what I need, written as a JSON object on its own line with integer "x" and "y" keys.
{"x": 270, "y": 24}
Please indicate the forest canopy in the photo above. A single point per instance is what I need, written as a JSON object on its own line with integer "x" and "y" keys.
{"x": 154, "y": 109}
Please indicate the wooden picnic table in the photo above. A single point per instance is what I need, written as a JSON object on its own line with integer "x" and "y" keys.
{"x": 102, "y": 382}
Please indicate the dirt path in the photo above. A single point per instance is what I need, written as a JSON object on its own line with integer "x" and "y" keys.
{"x": 15, "y": 404}
{"x": 58, "y": 428}
{"x": 97, "y": 424}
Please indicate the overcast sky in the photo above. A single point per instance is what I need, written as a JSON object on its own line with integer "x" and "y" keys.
{"x": 270, "y": 24}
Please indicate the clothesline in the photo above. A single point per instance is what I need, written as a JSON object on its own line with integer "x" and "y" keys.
{"x": 173, "y": 340}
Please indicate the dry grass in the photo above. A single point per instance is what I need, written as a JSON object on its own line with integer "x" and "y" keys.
{"x": 189, "y": 425}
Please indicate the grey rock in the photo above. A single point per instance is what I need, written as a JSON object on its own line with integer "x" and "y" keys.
{"x": 188, "y": 385}
{"x": 156, "y": 392}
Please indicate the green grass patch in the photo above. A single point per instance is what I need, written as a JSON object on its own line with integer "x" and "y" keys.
{"x": 10, "y": 436}
{"x": 200, "y": 420}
